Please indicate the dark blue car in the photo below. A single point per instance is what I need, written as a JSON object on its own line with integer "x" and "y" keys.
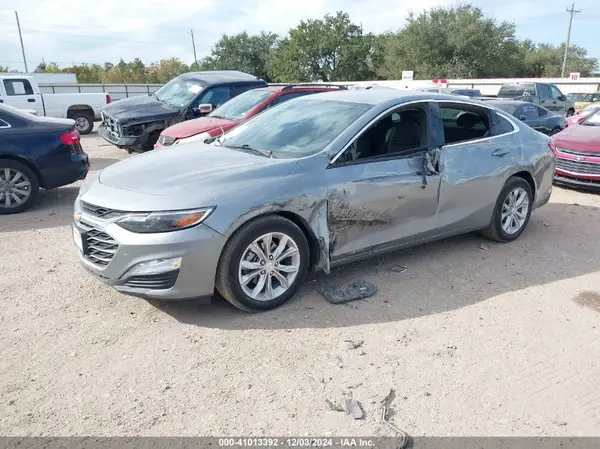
{"x": 36, "y": 152}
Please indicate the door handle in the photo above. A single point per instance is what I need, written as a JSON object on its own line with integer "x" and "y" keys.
{"x": 31, "y": 100}
{"x": 500, "y": 152}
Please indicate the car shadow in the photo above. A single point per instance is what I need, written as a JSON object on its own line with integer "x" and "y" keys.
{"x": 51, "y": 209}
{"x": 441, "y": 276}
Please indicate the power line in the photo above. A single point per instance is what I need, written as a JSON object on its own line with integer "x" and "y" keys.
{"x": 571, "y": 12}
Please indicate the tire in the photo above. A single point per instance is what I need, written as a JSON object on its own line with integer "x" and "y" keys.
{"x": 84, "y": 121}
{"x": 495, "y": 230}
{"x": 19, "y": 174}
{"x": 230, "y": 271}
{"x": 570, "y": 112}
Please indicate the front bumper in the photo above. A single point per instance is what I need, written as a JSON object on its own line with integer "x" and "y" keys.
{"x": 199, "y": 248}
{"x": 122, "y": 142}
{"x": 573, "y": 181}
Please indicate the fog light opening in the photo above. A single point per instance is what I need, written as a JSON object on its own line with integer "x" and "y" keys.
{"x": 152, "y": 267}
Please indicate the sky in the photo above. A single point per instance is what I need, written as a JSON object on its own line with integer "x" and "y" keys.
{"x": 67, "y": 31}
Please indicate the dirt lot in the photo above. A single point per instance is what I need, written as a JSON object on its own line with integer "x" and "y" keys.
{"x": 490, "y": 340}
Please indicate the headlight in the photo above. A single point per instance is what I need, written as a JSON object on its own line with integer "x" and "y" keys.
{"x": 202, "y": 137}
{"x": 164, "y": 221}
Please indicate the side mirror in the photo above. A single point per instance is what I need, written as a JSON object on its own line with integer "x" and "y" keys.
{"x": 522, "y": 118}
{"x": 563, "y": 98}
{"x": 203, "y": 109}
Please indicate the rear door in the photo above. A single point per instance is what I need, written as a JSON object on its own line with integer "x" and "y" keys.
{"x": 476, "y": 154}
{"x": 19, "y": 93}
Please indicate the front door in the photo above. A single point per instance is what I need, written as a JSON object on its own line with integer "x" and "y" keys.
{"x": 557, "y": 102}
{"x": 19, "y": 93}
{"x": 377, "y": 193}
{"x": 475, "y": 158}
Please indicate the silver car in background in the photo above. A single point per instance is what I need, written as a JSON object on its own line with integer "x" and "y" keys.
{"x": 316, "y": 182}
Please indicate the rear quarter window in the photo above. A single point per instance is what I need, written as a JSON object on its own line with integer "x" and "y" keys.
{"x": 500, "y": 125}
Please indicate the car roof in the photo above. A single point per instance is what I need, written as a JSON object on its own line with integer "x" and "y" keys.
{"x": 377, "y": 96}
{"x": 293, "y": 87}
{"x": 220, "y": 76}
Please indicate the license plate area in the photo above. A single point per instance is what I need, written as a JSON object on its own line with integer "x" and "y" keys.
{"x": 79, "y": 239}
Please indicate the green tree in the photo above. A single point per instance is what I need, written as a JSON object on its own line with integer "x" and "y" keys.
{"x": 166, "y": 69}
{"x": 41, "y": 68}
{"x": 330, "y": 49}
{"x": 456, "y": 42}
{"x": 4, "y": 69}
{"x": 545, "y": 60}
{"x": 241, "y": 52}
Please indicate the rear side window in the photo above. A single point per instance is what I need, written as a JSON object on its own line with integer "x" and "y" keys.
{"x": 464, "y": 123}
{"x": 16, "y": 87}
{"x": 500, "y": 125}
{"x": 516, "y": 90}
{"x": 542, "y": 112}
{"x": 527, "y": 112}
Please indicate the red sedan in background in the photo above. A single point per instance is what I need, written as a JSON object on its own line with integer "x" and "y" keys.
{"x": 235, "y": 111}
{"x": 577, "y": 151}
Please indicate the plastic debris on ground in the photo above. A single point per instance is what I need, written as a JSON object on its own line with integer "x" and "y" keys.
{"x": 350, "y": 291}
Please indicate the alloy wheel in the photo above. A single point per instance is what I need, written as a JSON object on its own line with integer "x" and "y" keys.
{"x": 514, "y": 210}
{"x": 15, "y": 188}
{"x": 269, "y": 266}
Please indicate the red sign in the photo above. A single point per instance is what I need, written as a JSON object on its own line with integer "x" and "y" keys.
{"x": 440, "y": 82}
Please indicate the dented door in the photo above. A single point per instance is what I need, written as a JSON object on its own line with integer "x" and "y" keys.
{"x": 375, "y": 204}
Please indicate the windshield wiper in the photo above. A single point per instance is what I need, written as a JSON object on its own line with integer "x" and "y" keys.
{"x": 246, "y": 147}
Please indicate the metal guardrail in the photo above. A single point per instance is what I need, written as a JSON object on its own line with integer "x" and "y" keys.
{"x": 116, "y": 91}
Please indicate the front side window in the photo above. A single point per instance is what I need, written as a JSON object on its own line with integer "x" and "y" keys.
{"x": 238, "y": 107}
{"x": 556, "y": 94}
{"x": 296, "y": 128}
{"x": 400, "y": 133}
{"x": 464, "y": 123}
{"x": 544, "y": 91}
{"x": 15, "y": 87}
{"x": 527, "y": 112}
{"x": 216, "y": 96}
{"x": 179, "y": 92}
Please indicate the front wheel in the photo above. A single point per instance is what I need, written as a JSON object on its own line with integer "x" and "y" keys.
{"x": 263, "y": 264}
{"x": 512, "y": 211}
{"x": 19, "y": 187}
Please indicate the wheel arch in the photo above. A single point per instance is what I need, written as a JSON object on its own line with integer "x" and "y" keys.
{"x": 528, "y": 177}
{"x": 73, "y": 109}
{"x": 29, "y": 165}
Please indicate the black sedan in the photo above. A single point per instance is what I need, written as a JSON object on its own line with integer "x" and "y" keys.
{"x": 538, "y": 117}
{"x": 36, "y": 152}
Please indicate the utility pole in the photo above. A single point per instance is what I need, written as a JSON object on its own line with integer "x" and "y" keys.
{"x": 194, "y": 46}
{"x": 571, "y": 12}
{"x": 21, "y": 38}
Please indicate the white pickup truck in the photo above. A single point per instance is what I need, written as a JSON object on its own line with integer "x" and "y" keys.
{"x": 22, "y": 92}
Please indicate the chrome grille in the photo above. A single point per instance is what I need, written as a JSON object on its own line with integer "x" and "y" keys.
{"x": 101, "y": 247}
{"x": 111, "y": 125}
{"x": 99, "y": 211}
{"x": 577, "y": 153}
{"x": 583, "y": 168}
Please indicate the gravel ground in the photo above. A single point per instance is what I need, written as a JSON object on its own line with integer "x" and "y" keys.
{"x": 475, "y": 340}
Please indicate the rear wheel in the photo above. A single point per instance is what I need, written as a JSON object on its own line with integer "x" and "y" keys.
{"x": 84, "y": 122}
{"x": 512, "y": 211}
{"x": 263, "y": 264}
{"x": 19, "y": 186}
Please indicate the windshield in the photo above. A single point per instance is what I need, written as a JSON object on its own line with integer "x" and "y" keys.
{"x": 238, "y": 107}
{"x": 178, "y": 92}
{"x": 296, "y": 128}
{"x": 593, "y": 119}
{"x": 589, "y": 109}
{"x": 516, "y": 90}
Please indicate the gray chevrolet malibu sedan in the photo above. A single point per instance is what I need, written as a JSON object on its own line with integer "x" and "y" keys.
{"x": 315, "y": 182}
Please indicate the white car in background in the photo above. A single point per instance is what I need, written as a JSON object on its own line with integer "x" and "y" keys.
{"x": 23, "y": 92}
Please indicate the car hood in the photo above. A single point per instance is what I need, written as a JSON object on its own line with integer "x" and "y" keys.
{"x": 200, "y": 125}
{"x": 192, "y": 175}
{"x": 139, "y": 109}
{"x": 581, "y": 138}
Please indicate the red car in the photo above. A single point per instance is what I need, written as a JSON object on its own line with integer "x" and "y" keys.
{"x": 235, "y": 111}
{"x": 576, "y": 119}
{"x": 577, "y": 151}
